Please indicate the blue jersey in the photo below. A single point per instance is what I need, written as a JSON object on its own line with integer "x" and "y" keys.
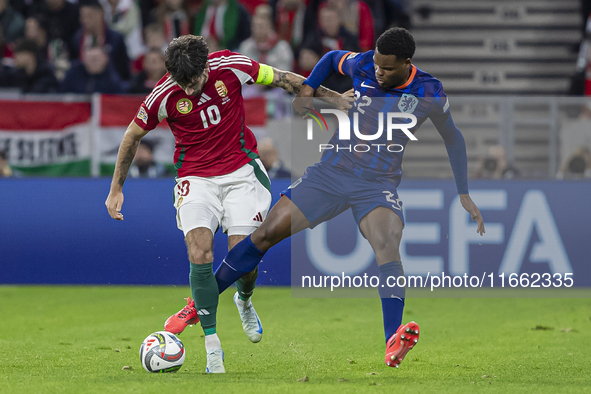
{"x": 422, "y": 95}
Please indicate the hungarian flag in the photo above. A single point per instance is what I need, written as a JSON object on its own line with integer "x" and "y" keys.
{"x": 46, "y": 138}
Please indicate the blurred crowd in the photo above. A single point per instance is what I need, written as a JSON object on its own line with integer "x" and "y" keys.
{"x": 117, "y": 46}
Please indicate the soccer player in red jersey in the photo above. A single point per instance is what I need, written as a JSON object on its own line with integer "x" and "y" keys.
{"x": 220, "y": 182}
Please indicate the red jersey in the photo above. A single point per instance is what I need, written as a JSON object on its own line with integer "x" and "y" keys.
{"x": 210, "y": 135}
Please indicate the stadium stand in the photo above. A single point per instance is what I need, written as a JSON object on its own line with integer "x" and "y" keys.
{"x": 519, "y": 47}
{"x": 488, "y": 50}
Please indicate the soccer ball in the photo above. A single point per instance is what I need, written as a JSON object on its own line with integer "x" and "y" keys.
{"x": 162, "y": 351}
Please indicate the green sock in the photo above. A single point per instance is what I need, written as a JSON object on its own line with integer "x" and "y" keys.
{"x": 246, "y": 284}
{"x": 205, "y": 293}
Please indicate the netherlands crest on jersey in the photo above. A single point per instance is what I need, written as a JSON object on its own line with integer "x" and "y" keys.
{"x": 184, "y": 106}
{"x": 408, "y": 103}
{"x": 221, "y": 88}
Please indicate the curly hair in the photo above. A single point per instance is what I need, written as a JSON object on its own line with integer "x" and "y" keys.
{"x": 397, "y": 41}
{"x": 186, "y": 58}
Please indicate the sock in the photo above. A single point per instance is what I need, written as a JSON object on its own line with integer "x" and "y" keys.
{"x": 212, "y": 342}
{"x": 392, "y": 297}
{"x": 246, "y": 285}
{"x": 205, "y": 293}
{"x": 242, "y": 259}
{"x": 392, "y": 309}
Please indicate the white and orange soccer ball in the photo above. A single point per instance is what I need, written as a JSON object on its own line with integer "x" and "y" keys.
{"x": 162, "y": 351}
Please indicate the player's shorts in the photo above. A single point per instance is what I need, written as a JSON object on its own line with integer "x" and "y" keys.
{"x": 238, "y": 201}
{"x": 324, "y": 192}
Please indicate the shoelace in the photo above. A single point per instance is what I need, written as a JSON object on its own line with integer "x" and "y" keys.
{"x": 186, "y": 310}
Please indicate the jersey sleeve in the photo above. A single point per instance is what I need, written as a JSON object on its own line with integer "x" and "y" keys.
{"x": 245, "y": 68}
{"x": 334, "y": 61}
{"x": 153, "y": 108}
{"x": 347, "y": 62}
{"x": 439, "y": 102}
{"x": 452, "y": 137}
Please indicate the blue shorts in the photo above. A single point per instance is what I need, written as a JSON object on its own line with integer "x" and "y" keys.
{"x": 325, "y": 191}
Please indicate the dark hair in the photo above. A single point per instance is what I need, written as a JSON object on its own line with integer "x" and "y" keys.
{"x": 397, "y": 41}
{"x": 186, "y": 58}
{"x": 26, "y": 45}
{"x": 91, "y": 3}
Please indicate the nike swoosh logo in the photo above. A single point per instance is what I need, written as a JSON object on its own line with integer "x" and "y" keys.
{"x": 363, "y": 85}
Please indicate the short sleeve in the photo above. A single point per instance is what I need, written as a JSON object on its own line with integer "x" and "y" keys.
{"x": 346, "y": 63}
{"x": 153, "y": 108}
{"x": 245, "y": 68}
{"x": 145, "y": 119}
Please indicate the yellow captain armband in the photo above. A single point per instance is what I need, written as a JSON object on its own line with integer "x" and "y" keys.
{"x": 266, "y": 75}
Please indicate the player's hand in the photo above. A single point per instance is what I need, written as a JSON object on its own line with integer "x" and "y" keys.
{"x": 114, "y": 203}
{"x": 473, "y": 210}
{"x": 345, "y": 102}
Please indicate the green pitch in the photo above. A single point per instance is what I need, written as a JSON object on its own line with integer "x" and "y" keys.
{"x": 78, "y": 339}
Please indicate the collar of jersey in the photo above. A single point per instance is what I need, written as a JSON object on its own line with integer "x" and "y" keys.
{"x": 413, "y": 72}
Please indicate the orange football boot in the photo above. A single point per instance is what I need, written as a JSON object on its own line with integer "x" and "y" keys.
{"x": 405, "y": 338}
{"x": 180, "y": 320}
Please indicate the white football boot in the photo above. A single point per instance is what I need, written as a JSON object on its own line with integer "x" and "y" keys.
{"x": 215, "y": 361}
{"x": 251, "y": 324}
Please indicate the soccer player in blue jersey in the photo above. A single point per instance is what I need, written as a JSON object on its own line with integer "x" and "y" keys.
{"x": 384, "y": 80}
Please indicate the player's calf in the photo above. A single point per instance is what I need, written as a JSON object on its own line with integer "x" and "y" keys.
{"x": 399, "y": 344}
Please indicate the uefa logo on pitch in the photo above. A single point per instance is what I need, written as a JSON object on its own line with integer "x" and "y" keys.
{"x": 344, "y": 130}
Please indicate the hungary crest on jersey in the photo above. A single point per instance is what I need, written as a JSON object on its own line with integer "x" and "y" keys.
{"x": 184, "y": 106}
{"x": 221, "y": 88}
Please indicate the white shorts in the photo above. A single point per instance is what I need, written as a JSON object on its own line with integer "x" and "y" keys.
{"x": 238, "y": 201}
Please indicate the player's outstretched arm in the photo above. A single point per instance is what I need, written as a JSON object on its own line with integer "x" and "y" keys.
{"x": 292, "y": 83}
{"x": 456, "y": 150}
{"x": 127, "y": 149}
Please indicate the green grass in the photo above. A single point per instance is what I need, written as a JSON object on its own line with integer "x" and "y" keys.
{"x": 77, "y": 340}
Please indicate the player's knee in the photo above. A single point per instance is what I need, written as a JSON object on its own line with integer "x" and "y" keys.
{"x": 387, "y": 241}
{"x": 261, "y": 238}
{"x": 265, "y": 237}
{"x": 200, "y": 256}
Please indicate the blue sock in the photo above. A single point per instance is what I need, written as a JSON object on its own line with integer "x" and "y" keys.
{"x": 392, "y": 309}
{"x": 243, "y": 258}
{"x": 392, "y": 297}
